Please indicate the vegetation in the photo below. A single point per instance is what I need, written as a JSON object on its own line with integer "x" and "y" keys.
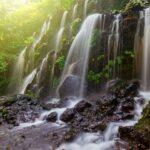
{"x": 112, "y": 65}
{"x": 135, "y": 4}
{"x": 18, "y": 22}
{"x": 60, "y": 62}
{"x": 145, "y": 120}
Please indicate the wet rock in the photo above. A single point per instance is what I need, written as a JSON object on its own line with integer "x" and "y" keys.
{"x": 124, "y": 131}
{"x": 128, "y": 116}
{"x": 132, "y": 89}
{"x": 67, "y": 115}
{"x": 127, "y": 107}
{"x": 52, "y": 117}
{"x": 69, "y": 86}
{"x": 18, "y": 108}
{"x": 98, "y": 126}
{"x": 81, "y": 106}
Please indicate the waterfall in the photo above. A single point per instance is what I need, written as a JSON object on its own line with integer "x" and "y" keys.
{"x": 19, "y": 68}
{"x": 43, "y": 31}
{"x": 48, "y": 24}
{"x": 114, "y": 42}
{"x": 146, "y": 52}
{"x": 18, "y": 72}
{"x": 78, "y": 56}
{"x": 58, "y": 40}
{"x": 74, "y": 13}
{"x": 61, "y": 31}
{"x": 85, "y": 8}
{"x": 138, "y": 44}
{"x": 42, "y": 69}
{"x": 28, "y": 80}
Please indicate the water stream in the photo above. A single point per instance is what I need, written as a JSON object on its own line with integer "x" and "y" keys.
{"x": 18, "y": 73}
{"x": 79, "y": 53}
{"x": 28, "y": 80}
{"x": 146, "y": 52}
{"x": 114, "y": 43}
{"x": 85, "y": 8}
{"x": 107, "y": 139}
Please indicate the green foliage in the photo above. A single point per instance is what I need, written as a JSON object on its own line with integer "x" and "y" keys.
{"x": 94, "y": 77}
{"x": 100, "y": 58}
{"x": 18, "y": 22}
{"x": 75, "y": 25}
{"x": 3, "y": 63}
{"x": 107, "y": 71}
{"x": 95, "y": 37}
{"x": 30, "y": 93}
{"x": 29, "y": 40}
{"x": 145, "y": 120}
{"x": 55, "y": 83}
{"x": 135, "y": 3}
{"x": 60, "y": 62}
{"x": 109, "y": 5}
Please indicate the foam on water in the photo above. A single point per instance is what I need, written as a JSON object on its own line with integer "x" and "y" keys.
{"x": 41, "y": 120}
{"x": 107, "y": 139}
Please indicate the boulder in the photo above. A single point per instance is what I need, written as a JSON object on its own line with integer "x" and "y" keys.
{"x": 67, "y": 115}
{"x": 132, "y": 89}
{"x": 52, "y": 117}
{"x": 82, "y": 105}
{"x": 70, "y": 86}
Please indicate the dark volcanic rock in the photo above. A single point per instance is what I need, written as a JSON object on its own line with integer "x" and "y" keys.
{"x": 79, "y": 107}
{"x": 19, "y": 108}
{"x": 69, "y": 86}
{"x": 132, "y": 89}
{"x": 67, "y": 115}
{"x": 52, "y": 117}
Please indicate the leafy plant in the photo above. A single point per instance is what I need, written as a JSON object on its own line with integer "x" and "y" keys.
{"x": 107, "y": 71}
{"x": 95, "y": 37}
{"x": 75, "y": 25}
{"x": 60, "y": 62}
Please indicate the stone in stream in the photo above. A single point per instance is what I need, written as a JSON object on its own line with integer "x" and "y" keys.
{"x": 52, "y": 117}
{"x": 67, "y": 115}
{"x": 79, "y": 107}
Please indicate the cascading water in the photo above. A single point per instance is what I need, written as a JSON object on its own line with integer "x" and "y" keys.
{"x": 43, "y": 31}
{"x": 146, "y": 52}
{"x": 42, "y": 69}
{"x": 48, "y": 24}
{"x": 28, "y": 80}
{"x": 18, "y": 73}
{"x": 114, "y": 42}
{"x": 19, "y": 68}
{"x": 74, "y": 13}
{"x": 79, "y": 52}
{"x": 60, "y": 31}
{"x": 85, "y": 8}
{"x": 58, "y": 40}
{"x": 138, "y": 44}
{"x": 106, "y": 140}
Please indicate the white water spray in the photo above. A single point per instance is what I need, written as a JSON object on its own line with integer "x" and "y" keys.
{"x": 79, "y": 52}
{"x": 113, "y": 42}
{"x": 146, "y": 52}
{"x": 85, "y": 8}
{"x": 28, "y": 80}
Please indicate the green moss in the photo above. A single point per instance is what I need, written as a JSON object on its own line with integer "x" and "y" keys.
{"x": 145, "y": 120}
{"x": 60, "y": 62}
{"x": 75, "y": 25}
{"x": 135, "y": 4}
{"x": 4, "y": 112}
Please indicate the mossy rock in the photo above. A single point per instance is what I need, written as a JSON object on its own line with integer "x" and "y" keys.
{"x": 145, "y": 120}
